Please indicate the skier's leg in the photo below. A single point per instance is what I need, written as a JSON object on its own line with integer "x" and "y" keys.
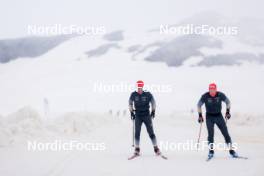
{"x": 210, "y": 128}
{"x": 149, "y": 126}
{"x": 138, "y": 124}
{"x": 148, "y": 123}
{"x": 220, "y": 122}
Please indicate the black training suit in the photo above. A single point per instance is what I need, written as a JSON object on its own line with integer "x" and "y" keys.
{"x": 213, "y": 106}
{"x": 140, "y": 103}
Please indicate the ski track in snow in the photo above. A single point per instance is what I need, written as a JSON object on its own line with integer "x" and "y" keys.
{"x": 117, "y": 138}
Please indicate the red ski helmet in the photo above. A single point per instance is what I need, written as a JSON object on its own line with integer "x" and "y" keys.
{"x": 140, "y": 84}
{"x": 212, "y": 86}
{"x": 212, "y": 89}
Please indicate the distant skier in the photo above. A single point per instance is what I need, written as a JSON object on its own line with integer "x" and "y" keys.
{"x": 139, "y": 105}
{"x": 213, "y": 104}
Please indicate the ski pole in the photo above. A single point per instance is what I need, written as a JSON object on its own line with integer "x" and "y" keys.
{"x": 199, "y": 136}
{"x": 133, "y": 133}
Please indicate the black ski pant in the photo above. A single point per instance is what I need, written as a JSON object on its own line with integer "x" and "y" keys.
{"x": 211, "y": 120}
{"x": 147, "y": 120}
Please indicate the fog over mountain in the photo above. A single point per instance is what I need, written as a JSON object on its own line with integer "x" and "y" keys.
{"x": 231, "y": 59}
{"x": 175, "y": 52}
{"x": 11, "y": 49}
{"x": 101, "y": 50}
{"x": 114, "y": 36}
{"x": 171, "y": 49}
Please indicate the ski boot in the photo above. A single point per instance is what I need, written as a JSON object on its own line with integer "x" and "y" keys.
{"x": 137, "y": 151}
{"x": 158, "y": 153}
{"x": 210, "y": 154}
{"x": 157, "y": 150}
{"x": 233, "y": 153}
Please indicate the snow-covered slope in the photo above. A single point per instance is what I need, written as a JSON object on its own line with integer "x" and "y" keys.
{"x": 65, "y": 78}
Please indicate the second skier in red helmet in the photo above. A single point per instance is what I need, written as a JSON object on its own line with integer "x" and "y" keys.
{"x": 213, "y": 104}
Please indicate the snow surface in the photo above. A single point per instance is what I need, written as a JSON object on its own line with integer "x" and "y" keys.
{"x": 115, "y": 132}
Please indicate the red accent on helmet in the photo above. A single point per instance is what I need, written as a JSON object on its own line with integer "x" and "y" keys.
{"x": 140, "y": 84}
{"x": 212, "y": 86}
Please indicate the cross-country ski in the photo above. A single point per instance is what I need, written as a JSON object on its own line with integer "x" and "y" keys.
{"x": 133, "y": 157}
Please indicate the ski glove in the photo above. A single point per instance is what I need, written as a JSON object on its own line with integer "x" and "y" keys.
{"x": 152, "y": 114}
{"x": 200, "y": 119}
{"x": 133, "y": 116}
{"x": 228, "y": 115}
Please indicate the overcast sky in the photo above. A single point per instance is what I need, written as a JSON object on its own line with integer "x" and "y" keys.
{"x": 15, "y": 15}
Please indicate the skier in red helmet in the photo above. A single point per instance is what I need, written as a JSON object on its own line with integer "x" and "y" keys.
{"x": 213, "y": 104}
{"x": 139, "y": 105}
